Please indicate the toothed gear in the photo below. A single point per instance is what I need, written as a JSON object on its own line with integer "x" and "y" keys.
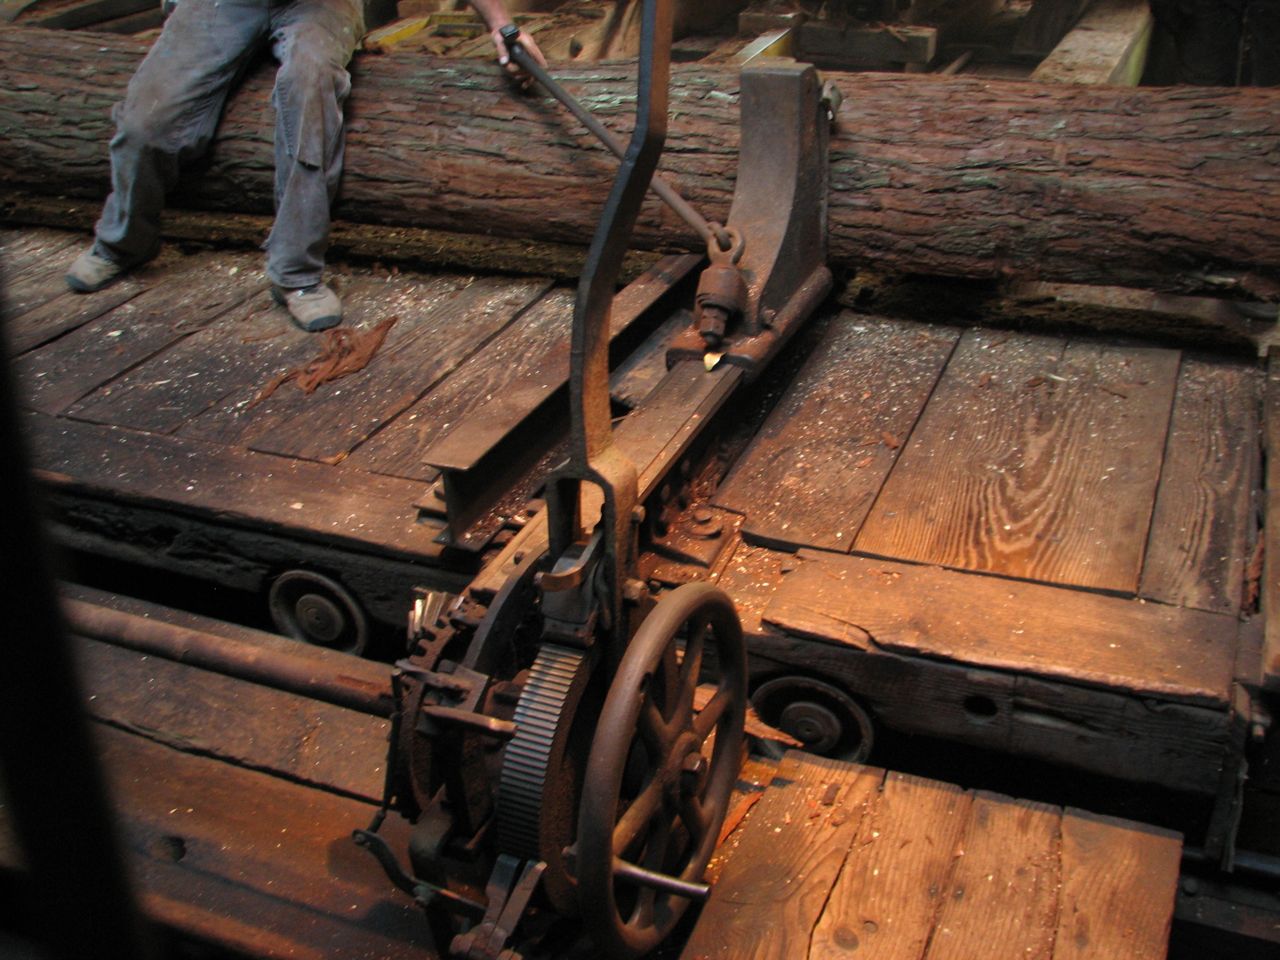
{"x": 542, "y": 767}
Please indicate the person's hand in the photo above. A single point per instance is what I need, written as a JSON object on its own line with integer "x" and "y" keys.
{"x": 504, "y": 57}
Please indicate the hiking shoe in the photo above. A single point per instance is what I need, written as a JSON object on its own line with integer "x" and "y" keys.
{"x": 90, "y": 272}
{"x": 312, "y": 308}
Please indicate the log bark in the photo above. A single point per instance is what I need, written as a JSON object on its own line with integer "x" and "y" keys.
{"x": 1171, "y": 189}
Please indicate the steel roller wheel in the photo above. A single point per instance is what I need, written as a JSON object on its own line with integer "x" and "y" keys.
{"x": 657, "y": 785}
{"x": 316, "y": 609}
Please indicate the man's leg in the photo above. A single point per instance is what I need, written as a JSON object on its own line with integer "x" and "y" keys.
{"x": 169, "y": 116}
{"x": 313, "y": 40}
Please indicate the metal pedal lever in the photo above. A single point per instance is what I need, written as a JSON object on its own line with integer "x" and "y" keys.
{"x": 423, "y": 892}
{"x": 660, "y": 881}
{"x": 641, "y": 876}
{"x": 713, "y": 234}
{"x": 509, "y": 895}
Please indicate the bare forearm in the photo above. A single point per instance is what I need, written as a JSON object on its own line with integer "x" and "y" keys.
{"x": 492, "y": 12}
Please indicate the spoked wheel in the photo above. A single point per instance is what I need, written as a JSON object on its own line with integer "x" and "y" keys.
{"x": 658, "y": 783}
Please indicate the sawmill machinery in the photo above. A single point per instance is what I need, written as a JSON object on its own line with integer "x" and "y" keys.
{"x": 566, "y": 737}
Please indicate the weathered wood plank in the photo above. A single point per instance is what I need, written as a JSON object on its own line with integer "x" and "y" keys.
{"x": 1108, "y": 45}
{"x": 535, "y": 350}
{"x": 194, "y": 293}
{"x": 23, "y": 251}
{"x": 1083, "y": 638}
{"x": 933, "y": 871}
{"x": 223, "y": 366}
{"x": 774, "y": 888}
{"x": 427, "y": 342}
{"x": 203, "y": 713}
{"x": 1036, "y": 458}
{"x": 1002, "y": 899}
{"x": 525, "y": 346}
{"x": 814, "y": 469}
{"x": 1201, "y": 530}
{"x": 87, "y": 13}
{"x": 40, "y": 280}
{"x": 1119, "y": 880}
{"x": 235, "y": 355}
{"x": 67, "y": 312}
{"x": 252, "y": 862}
{"x": 311, "y": 501}
{"x": 896, "y": 876}
{"x": 852, "y": 44}
{"x": 438, "y": 321}
{"x": 1179, "y": 746}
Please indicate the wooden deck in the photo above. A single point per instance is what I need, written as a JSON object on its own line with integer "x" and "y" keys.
{"x": 839, "y": 860}
{"x": 239, "y": 833}
{"x": 1033, "y": 543}
{"x": 145, "y": 404}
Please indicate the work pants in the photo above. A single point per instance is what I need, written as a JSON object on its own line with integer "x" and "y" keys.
{"x": 175, "y": 100}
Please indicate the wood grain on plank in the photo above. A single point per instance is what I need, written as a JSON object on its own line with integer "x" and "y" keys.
{"x": 1203, "y": 524}
{"x": 41, "y": 281}
{"x": 524, "y": 348}
{"x": 253, "y": 862}
{"x": 776, "y": 885}
{"x": 313, "y": 501}
{"x": 535, "y": 390}
{"x": 1119, "y": 880}
{"x": 218, "y": 370}
{"x": 1178, "y": 654}
{"x": 422, "y": 348}
{"x": 1035, "y": 458}
{"x": 532, "y": 361}
{"x": 252, "y": 726}
{"x": 1109, "y": 45}
{"x": 813, "y": 471}
{"x": 64, "y": 313}
{"x": 1001, "y": 902}
{"x": 893, "y": 883}
{"x": 195, "y": 291}
{"x": 27, "y": 254}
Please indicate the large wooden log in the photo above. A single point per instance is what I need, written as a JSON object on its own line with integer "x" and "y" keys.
{"x": 1173, "y": 189}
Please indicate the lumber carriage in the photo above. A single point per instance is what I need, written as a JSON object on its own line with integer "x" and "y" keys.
{"x": 981, "y": 472}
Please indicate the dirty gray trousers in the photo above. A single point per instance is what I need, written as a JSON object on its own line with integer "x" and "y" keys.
{"x": 174, "y": 101}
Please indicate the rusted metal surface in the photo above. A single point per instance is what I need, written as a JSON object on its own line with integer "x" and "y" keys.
{"x": 637, "y": 870}
{"x": 779, "y": 212}
{"x": 324, "y": 675}
{"x": 501, "y": 446}
{"x": 713, "y": 234}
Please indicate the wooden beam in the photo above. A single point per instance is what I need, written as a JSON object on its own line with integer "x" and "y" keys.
{"x": 1109, "y": 45}
{"x": 851, "y": 44}
{"x": 1111, "y": 643}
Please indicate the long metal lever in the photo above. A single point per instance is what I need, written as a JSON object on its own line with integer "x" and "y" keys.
{"x": 708, "y": 230}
